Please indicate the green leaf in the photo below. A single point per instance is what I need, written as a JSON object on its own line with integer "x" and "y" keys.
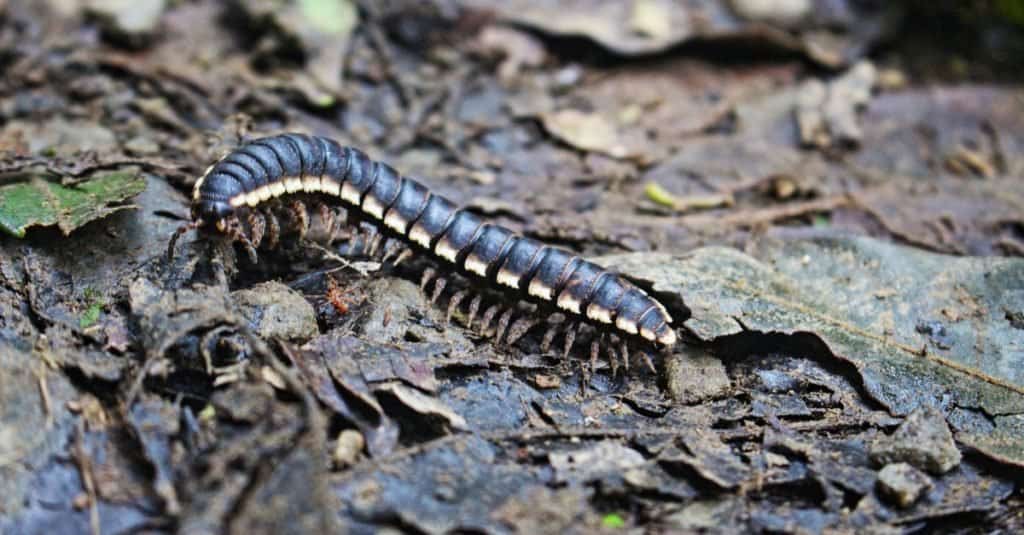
{"x": 40, "y": 202}
{"x": 207, "y": 413}
{"x": 613, "y": 520}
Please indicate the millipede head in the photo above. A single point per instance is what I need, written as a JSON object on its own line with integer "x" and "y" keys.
{"x": 207, "y": 210}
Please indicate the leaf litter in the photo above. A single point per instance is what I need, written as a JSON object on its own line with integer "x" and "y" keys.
{"x": 843, "y": 372}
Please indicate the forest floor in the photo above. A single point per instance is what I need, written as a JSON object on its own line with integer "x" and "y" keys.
{"x": 836, "y": 197}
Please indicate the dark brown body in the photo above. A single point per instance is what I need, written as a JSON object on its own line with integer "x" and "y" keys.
{"x": 271, "y": 167}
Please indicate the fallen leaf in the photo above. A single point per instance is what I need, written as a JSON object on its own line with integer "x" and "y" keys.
{"x": 591, "y": 132}
{"x": 826, "y": 308}
{"x": 39, "y": 202}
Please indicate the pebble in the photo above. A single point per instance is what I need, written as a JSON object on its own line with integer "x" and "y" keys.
{"x": 696, "y": 378}
{"x": 350, "y": 445}
{"x": 276, "y": 311}
{"x": 902, "y": 484}
{"x": 922, "y": 440}
{"x": 132, "y": 19}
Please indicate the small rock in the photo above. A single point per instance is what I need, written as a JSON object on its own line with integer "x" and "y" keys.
{"x": 828, "y": 114}
{"x": 517, "y": 48}
{"x": 591, "y": 462}
{"x": 547, "y": 381}
{"x": 273, "y": 378}
{"x": 393, "y": 313}
{"x": 131, "y": 21}
{"x": 59, "y": 135}
{"x": 397, "y": 311}
{"x": 902, "y": 484}
{"x": 591, "y": 131}
{"x": 350, "y": 444}
{"x": 276, "y": 311}
{"x": 923, "y": 440}
{"x": 785, "y": 13}
{"x": 142, "y": 146}
{"x": 692, "y": 379}
{"x": 651, "y": 18}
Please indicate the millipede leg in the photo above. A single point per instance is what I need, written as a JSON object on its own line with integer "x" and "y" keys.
{"x": 357, "y": 244}
{"x": 454, "y": 303}
{"x": 375, "y": 242}
{"x": 390, "y": 250}
{"x": 234, "y": 231}
{"x": 549, "y": 336}
{"x": 257, "y": 228}
{"x": 273, "y": 229}
{"x": 624, "y": 351}
{"x": 648, "y": 362}
{"x": 325, "y": 213}
{"x": 623, "y": 357}
{"x": 488, "y": 318}
{"x": 177, "y": 235}
{"x": 438, "y": 288}
{"x": 518, "y": 329}
{"x": 428, "y": 275}
{"x": 402, "y": 257}
{"x": 474, "y": 307}
{"x": 300, "y": 215}
{"x": 334, "y": 225}
{"x": 570, "y": 338}
{"x": 595, "y": 351}
{"x": 612, "y": 358}
{"x": 386, "y": 244}
{"x": 367, "y": 237}
{"x": 323, "y": 226}
{"x": 503, "y": 321}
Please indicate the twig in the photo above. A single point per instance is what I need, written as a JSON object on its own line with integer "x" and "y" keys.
{"x": 363, "y": 268}
{"x": 85, "y": 469}
{"x": 44, "y": 392}
{"x": 756, "y": 218}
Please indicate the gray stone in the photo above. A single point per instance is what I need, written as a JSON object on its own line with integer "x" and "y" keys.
{"x": 902, "y": 484}
{"x": 142, "y": 146}
{"x": 276, "y": 311}
{"x": 696, "y": 378}
{"x": 922, "y": 440}
{"x": 128, "y": 17}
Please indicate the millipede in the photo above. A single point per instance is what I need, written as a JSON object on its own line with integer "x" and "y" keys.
{"x": 227, "y": 199}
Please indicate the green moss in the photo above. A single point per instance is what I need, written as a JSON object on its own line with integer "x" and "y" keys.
{"x": 92, "y": 310}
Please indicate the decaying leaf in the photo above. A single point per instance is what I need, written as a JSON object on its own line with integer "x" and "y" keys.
{"x": 649, "y": 26}
{"x": 423, "y": 404}
{"x": 593, "y": 461}
{"x": 592, "y": 132}
{"x": 819, "y": 300}
{"x": 40, "y": 202}
{"x": 322, "y": 30}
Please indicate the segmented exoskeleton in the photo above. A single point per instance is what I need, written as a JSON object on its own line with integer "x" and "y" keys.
{"x": 406, "y": 210}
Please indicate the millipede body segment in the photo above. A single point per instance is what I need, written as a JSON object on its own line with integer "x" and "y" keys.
{"x": 404, "y": 208}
